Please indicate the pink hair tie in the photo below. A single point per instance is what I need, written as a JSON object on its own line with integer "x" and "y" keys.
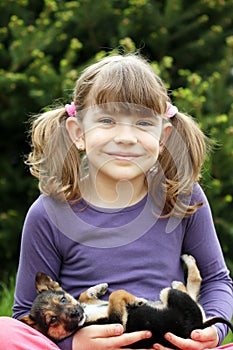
{"x": 171, "y": 110}
{"x": 70, "y": 109}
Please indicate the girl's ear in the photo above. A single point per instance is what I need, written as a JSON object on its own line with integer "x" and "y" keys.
{"x": 164, "y": 135}
{"x": 75, "y": 131}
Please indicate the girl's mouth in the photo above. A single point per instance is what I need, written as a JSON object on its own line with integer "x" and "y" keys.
{"x": 123, "y": 156}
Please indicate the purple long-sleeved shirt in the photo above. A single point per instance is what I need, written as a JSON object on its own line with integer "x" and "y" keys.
{"x": 129, "y": 248}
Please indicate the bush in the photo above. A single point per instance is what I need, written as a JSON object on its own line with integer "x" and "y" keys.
{"x": 44, "y": 46}
{"x": 7, "y": 297}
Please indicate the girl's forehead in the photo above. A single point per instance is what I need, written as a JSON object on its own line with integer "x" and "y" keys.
{"x": 118, "y": 109}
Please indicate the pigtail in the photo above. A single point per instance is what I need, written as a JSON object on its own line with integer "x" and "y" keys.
{"x": 54, "y": 159}
{"x": 180, "y": 164}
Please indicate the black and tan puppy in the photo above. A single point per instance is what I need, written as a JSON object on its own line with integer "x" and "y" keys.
{"x": 57, "y": 314}
{"x": 54, "y": 312}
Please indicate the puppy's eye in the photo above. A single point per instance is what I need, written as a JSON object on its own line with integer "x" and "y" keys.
{"x": 53, "y": 319}
{"x": 63, "y": 300}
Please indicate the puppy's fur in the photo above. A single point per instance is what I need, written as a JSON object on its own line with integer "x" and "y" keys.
{"x": 57, "y": 314}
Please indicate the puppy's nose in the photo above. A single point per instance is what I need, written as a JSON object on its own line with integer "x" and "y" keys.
{"x": 77, "y": 312}
{"x": 74, "y": 312}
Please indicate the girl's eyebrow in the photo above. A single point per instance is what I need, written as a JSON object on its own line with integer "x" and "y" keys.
{"x": 126, "y": 109}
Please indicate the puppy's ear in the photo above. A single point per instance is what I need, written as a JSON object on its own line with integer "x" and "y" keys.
{"x": 44, "y": 282}
{"x": 28, "y": 320}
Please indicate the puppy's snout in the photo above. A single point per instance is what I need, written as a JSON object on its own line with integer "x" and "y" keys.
{"x": 77, "y": 312}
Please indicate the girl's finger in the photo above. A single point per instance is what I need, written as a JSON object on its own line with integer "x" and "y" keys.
{"x": 110, "y": 330}
{"x": 129, "y": 338}
{"x": 208, "y": 334}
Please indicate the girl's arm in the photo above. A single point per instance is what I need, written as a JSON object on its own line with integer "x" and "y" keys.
{"x": 202, "y": 242}
{"x": 39, "y": 252}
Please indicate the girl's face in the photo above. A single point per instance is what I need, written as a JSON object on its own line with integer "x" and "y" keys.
{"x": 119, "y": 145}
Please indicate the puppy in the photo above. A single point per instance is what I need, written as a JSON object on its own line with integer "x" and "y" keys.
{"x": 57, "y": 314}
{"x": 54, "y": 312}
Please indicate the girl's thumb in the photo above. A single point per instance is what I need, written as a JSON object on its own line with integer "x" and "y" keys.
{"x": 118, "y": 329}
{"x": 111, "y": 330}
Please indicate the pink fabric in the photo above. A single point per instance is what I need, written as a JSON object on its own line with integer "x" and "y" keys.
{"x": 226, "y": 346}
{"x": 15, "y": 335}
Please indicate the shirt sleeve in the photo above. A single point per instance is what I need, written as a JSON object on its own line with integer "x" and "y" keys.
{"x": 202, "y": 242}
{"x": 40, "y": 251}
{"x": 66, "y": 344}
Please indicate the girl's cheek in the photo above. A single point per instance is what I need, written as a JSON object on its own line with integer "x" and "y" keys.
{"x": 152, "y": 146}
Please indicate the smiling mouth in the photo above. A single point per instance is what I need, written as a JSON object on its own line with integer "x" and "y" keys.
{"x": 123, "y": 156}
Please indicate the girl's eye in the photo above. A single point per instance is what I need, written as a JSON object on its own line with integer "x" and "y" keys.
{"x": 144, "y": 123}
{"x": 63, "y": 300}
{"x": 106, "y": 121}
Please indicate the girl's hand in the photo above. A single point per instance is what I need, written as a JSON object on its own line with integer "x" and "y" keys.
{"x": 200, "y": 339}
{"x": 106, "y": 337}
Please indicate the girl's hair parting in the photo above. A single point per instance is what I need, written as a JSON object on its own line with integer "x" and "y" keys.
{"x": 129, "y": 79}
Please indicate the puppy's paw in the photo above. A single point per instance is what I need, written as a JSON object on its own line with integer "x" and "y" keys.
{"x": 164, "y": 295}
{"x": 188, "y": 260}
{"x": 123, "y": 298}
{"x": 97, "y": 290}
{"x": 139, "y": 302}
{"x": 179, "y": 286}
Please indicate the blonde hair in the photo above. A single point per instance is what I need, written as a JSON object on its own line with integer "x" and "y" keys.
{"x": 55, "y": 161}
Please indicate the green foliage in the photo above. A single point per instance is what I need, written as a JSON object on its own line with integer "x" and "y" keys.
{"x": 228, "y": 339}
{"x": 210, "y": 101}
{"x": 44, "y": 44}
{"x": 7, "y": 297}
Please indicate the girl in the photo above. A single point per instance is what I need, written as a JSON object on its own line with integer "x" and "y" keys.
{"x": 118, "y": 169}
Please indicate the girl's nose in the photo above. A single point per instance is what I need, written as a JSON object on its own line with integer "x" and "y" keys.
{"x": 125, "y": 135}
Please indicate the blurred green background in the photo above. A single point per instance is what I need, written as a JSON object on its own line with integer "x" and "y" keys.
{"x": 44, "y": 45}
